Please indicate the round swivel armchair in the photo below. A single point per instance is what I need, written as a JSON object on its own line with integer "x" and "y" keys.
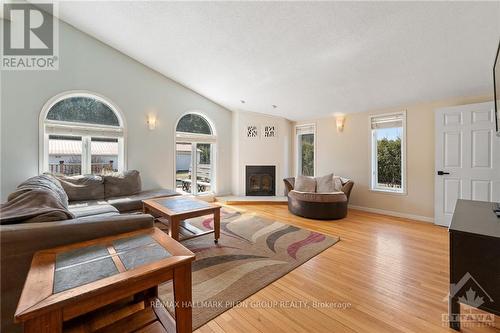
{"x": 320, "y": 206}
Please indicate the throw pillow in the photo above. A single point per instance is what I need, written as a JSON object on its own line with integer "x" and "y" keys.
{"x": 80, "y": 188}
{"x": 337, "y": 184}
{"x": 325, "y": 184}
{"x": 305, "y": 184}
{"x": 122, "y": 183}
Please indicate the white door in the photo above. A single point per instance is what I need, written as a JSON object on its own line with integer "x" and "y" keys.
{"x": 467, "y": 157}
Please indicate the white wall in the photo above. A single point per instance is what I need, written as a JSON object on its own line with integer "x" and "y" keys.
{"x": 260, "y": 151}
{"x": 348, "y": 154}
{"x": 87, "y": 64}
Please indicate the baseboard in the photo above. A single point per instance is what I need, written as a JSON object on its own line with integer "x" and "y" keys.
{"x": 392, "y": 213}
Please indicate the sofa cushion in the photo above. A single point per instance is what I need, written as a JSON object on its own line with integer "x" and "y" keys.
{"x": 119, "y": 184}
{"x": 325, "y": 184}
{"x": 81, "y": 210}
{"x": 305, "y": 184}
{"x": 134, "y": 202}
{"x": 43, "y": 182}
{"x": 88, "y": 187}
{"x": 318, "y": 197}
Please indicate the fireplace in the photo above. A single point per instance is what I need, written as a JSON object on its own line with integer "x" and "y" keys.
{"x": 261, "y": 180}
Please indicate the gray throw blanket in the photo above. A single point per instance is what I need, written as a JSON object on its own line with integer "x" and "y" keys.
{"x": 38, "y": 199}
{"x": 37, "y": 205}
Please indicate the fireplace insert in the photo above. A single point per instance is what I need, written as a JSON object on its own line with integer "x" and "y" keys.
{"x": 261, "y": 180}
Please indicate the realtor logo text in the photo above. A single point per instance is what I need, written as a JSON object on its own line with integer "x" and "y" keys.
{"x": 30, "y": 37}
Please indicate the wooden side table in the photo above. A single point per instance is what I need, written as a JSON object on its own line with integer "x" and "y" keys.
{"x": 68, "y": 287}
{"x": 178, "y": 209}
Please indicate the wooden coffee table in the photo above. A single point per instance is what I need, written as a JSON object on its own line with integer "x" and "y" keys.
{"x": 178, "y": 209}
{"x": 108, "y": 284}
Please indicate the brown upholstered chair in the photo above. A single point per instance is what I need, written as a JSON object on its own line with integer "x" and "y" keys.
{"x": 321, "y": 206}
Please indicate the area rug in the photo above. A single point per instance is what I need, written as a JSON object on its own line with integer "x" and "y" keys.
{"x": 252, "y": 252}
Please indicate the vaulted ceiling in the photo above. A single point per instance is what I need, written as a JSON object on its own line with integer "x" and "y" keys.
{"x": 310, "y": 59}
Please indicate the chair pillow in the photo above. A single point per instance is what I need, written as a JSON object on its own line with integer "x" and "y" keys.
{"x": 325, "y": 184}
{"x": 337, "y": 183}
{"x": 119, "y": 184}
{"x": 305, "y": 184}
{"x": 84, "y": 187}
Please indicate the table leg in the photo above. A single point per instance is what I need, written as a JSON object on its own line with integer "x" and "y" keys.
{"x": 47, "y": 323}
{"x": 183, "y": 299}
{"x": 173, "y": 228}
{"x": 148, "y": 296}
{"x": 454, "y": 313}
{"x": 217, "y": 225}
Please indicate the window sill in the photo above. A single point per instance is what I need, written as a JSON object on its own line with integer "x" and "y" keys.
{"x": 388, "y": 192}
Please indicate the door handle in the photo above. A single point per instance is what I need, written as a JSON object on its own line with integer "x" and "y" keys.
{"x": 440, "y": 173}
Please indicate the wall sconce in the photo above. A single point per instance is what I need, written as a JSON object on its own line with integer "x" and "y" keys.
{"x": 151, "y": 122}
{"x": 339, "y": 120}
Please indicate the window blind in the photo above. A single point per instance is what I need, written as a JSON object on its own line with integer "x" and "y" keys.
{"x": 387, "y": 121}
{"x": 61, "y": 129}
{"x": 305, "y": 129}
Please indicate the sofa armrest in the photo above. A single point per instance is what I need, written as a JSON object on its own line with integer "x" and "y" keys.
{"x": 17, "y": 239}
{"x": 289, "y": 184}
{"x": 20, "y": 241}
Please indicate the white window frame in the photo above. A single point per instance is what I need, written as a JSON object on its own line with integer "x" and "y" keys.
{"x": 85, "y": 131}
{"x": 194, "y": 139}
{"x": 299, "y": 130}
{"x": 373, "y": 156}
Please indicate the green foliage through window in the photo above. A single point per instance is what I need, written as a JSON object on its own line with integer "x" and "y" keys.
{"x": 204, "y": 152}
{"x": 193, "y": 123}
{"x": 83, "y": 110}
{"x": 389, "y": 162}
{"x": 307, "y": 154}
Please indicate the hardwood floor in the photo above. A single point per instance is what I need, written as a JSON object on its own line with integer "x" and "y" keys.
{"x": 392, "y": 271}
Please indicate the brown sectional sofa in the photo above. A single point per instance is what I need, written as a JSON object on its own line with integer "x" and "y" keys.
{"x": 321, "y": 206}
{"x": 97, "y": 216}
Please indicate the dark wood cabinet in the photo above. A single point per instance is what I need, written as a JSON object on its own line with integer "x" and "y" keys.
{"x": 474, "y": 259}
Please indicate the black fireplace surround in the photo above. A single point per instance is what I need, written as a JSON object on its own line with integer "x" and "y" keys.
{"x": 260, "y": 180}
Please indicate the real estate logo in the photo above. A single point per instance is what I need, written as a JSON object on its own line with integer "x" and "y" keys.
{"x": 471, "y": 294}
{"x": 30, "y": 36}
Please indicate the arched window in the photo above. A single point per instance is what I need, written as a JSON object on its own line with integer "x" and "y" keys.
{"x": 81, "y": 133}
{"x": 195, "y": 154}
{"x": 194, "y": 123}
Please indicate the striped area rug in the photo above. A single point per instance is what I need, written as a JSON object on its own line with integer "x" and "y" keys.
{"x": 252, "y": 252}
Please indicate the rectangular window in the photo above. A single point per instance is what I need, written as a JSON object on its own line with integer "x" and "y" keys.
{"x": 388, "y": 160}
{"x": 82, "y": 155}
{"x": 306, "y": 149}
{"x": 65, "y": 154}
{"x": 103, "y": 155}
{"x": 204, "y": 167}
{"x": 194, "y": 160}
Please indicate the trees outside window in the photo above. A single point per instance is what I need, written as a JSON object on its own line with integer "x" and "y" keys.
{"x": 388, "y": 153}
{"x": 305, "y": 151}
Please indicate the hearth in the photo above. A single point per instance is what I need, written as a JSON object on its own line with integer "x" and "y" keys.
{"x": 261, "y": 180}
